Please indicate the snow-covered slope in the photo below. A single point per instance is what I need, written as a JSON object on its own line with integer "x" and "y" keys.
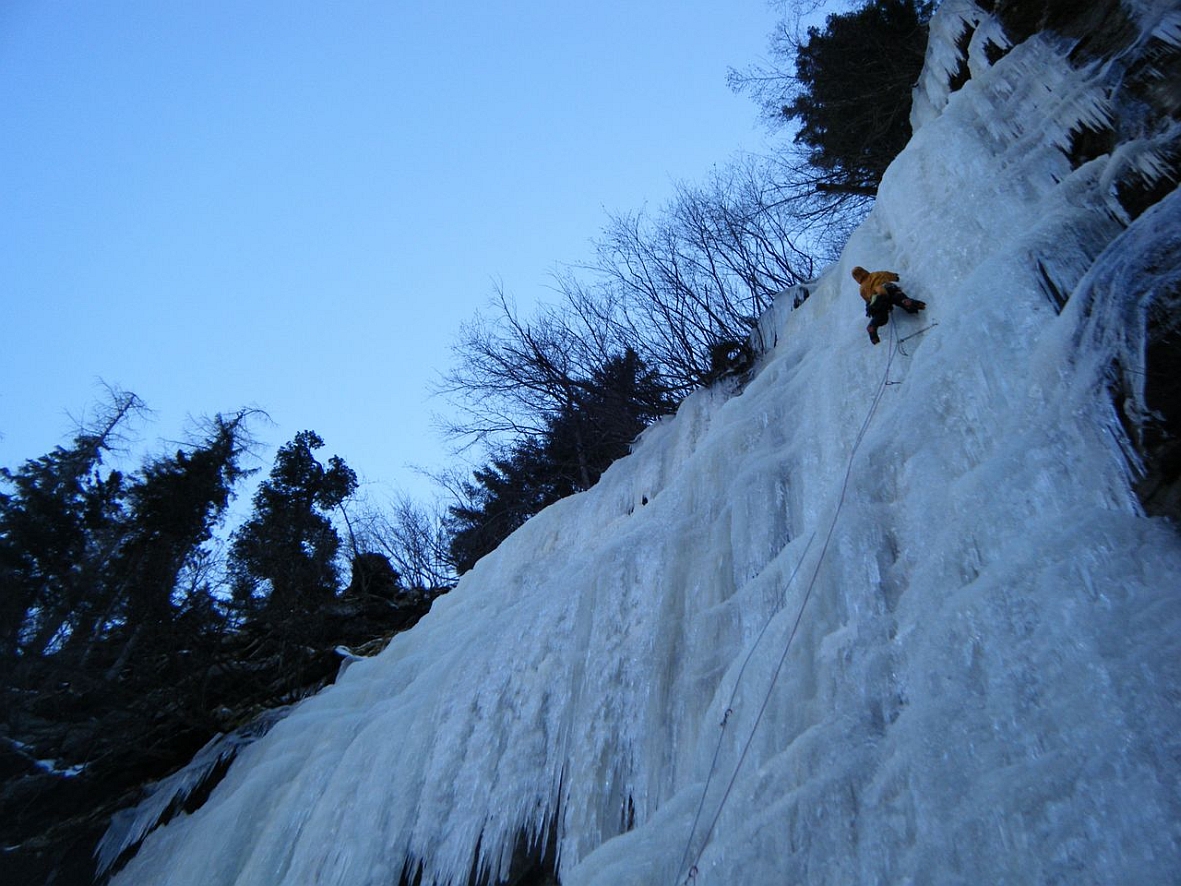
{"x": 883, "y": 615}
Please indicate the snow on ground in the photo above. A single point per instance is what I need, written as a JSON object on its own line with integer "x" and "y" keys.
{"x": 983, "y": 682}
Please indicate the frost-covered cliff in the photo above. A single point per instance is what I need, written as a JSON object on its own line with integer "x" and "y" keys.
{"x": 882, "y": 615}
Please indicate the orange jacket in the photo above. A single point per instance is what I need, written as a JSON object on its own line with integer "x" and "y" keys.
{"x": 873, "y": 282}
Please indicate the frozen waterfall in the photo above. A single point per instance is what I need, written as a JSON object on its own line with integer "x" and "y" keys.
{"x": 983, "y": 684}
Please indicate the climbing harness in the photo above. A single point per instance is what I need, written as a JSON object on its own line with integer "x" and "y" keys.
{"x": 693, "y": 870}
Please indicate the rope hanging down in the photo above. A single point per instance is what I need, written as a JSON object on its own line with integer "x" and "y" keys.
{"x": 691, "y": 873}
{"x": 730, "y": 708}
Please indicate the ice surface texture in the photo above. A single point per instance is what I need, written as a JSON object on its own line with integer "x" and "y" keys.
{"x": 983, "y": 687}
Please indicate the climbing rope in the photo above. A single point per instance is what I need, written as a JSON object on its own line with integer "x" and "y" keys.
{"x": 691, "y": 874}
{"x": 730, "y": 710}
{"x": 901, "y": 349}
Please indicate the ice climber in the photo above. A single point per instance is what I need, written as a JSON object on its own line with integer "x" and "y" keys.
{"x": 881, "y": 293}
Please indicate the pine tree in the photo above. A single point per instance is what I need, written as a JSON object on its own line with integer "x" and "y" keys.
{"x": 283, "y": 559}
{"x": 58, "y": 529}
{"x": 500, "y": 498}
{"x": 597, "y": 426}
{"x": 606, "y": 414}
{"x": 173, "y": 505}
{"x": 855, "y": 79}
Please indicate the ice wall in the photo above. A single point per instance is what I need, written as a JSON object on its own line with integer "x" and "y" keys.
{"x": 882, "y": 615}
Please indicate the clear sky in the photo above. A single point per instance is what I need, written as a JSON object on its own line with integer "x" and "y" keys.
{"x": 294, "y": 205}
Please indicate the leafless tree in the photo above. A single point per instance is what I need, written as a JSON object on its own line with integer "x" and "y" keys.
{"x": 772, "y": 83}
{"x": 410, "y": 535}
{"x": 699, "y": 272}
{"x": 512, "y": 375}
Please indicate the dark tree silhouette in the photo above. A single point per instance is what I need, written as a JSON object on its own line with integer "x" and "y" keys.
{"x": 856, "y": 78}
{"x": 283, "y": 559}
{"x": 58, "y": 529}
{"x": 597, "y": 426}
{"x": 173, "y": 505}
{"x": 847, "y": 87}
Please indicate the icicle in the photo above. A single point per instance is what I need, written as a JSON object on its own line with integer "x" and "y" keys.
{"x": 129, "y": 826}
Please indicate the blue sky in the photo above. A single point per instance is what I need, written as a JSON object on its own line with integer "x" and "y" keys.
{"x": 295, "y": 205}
